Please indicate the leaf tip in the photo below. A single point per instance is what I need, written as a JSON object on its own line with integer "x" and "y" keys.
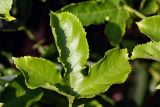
{"x": 14, "y": 59}
{"x": 10, "y": 18}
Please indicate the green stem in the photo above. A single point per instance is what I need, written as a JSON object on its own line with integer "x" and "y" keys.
{"x": 28, "y": 32}
{"x": 142, "y": 4}
{"x": 71, "y": 100}
{"x": 137, "y": 13}
{"x": 107, "y": 99}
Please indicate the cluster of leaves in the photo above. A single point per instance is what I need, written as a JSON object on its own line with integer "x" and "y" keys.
{"x": 73, "y": 50}
{"x": 75, "y": 81}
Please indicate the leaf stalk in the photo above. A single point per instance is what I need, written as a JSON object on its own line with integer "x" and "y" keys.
{"x": 134, "y": 11}
{"x": 71, "y": 100}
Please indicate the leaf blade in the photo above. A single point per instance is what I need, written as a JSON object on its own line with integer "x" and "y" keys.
{"x": 4, "y": 10}
{"x": 97, "y": 12}
{"x": 115, "y": 28}
{"x": 147, "y": 51}
{"x": 72, "y": 45}
{"x": 105, "y": 73}
{"x": 38, "y": 72}
{"x": 150, "y": 27}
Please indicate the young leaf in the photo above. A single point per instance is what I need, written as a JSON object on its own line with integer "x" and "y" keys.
{"x": 150, "y": 50}
{"x": 113, "y": 68}
{"x": 150, "y": 27}
{"x": 96, "y": 12}
{"x": 5, "y": 6}
{"x": 38, "y": 72}
{"x": 72, "y": 45}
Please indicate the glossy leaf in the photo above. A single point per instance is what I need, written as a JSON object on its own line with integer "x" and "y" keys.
{"x": 38, "y": 72}
{"x": 96, "y": 12}
{"x": 150, "y": 50}
{"x": 150, "y": 27}
{"x": 112, "y": 69}
{"x": 73, "y": 50}
{"x": 72, "y": 45}
{"x": 5, "y": 6}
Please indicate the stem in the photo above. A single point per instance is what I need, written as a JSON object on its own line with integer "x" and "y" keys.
{"x": 107, "y": 99}
{"x": 137, "y": 13}
{"x": 71, "y": 100}
{"x": 28, "y": 32}
{"x": 142, "y": 4}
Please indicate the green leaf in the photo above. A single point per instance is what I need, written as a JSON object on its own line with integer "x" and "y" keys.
{"x": 38, "y": 72}
{"x": 158, "y": 87}
{"x": 150, "y": 27}
{"x": 25, "y": 101}
{"x": 73, "y": 50}
{"x": 18, "y": 95}
{"x": 112, "y": 69}
{"x": 5, "y": 6}
{"x": 115, "y": 28}
{"x": 95, "y": 12}
{"x": 150, "y": 50}
{"x": 90, "y": 12}
{"x": 72, "y": 45}
{"x": 150, "y": 7}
